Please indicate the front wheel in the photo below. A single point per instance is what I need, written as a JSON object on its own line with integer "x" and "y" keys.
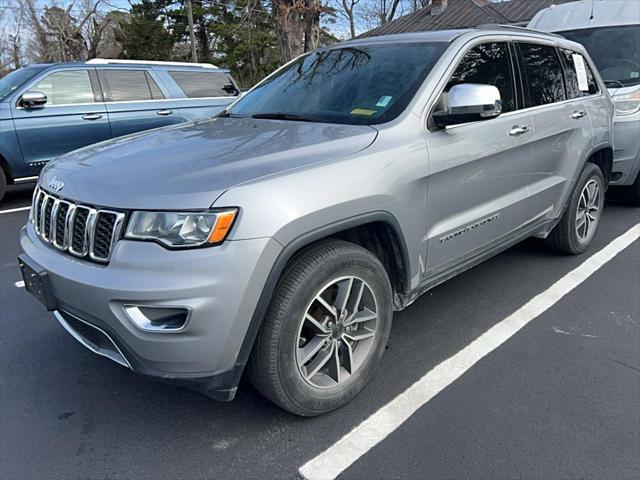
{"x": 325, "y": 330}
{"x": 578, "y": 225}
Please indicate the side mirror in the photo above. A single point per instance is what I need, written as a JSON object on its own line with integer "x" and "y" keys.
{"x": 469, "y": 102}
{"x": 33, "y": 99}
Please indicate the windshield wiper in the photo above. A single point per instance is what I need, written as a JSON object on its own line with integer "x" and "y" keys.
{"x": 614, "y": 83}
{"x": 225, "y": 114}
{"x": 284, "y": 116}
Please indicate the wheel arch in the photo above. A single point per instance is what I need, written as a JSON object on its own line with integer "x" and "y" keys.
{"x": 602, "y": 156}
{"x": 375, "y": 231}
{"x": 6, "y": 169}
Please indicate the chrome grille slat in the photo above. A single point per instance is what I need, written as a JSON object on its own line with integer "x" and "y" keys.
{"x": 72, "y": 227}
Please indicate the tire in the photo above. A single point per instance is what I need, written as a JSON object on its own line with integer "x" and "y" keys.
{"x": 282, "y": 365}
{"x": 569, "y": 236}
{"x": 3, "y": 184}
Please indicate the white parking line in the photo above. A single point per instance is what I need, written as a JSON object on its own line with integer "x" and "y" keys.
{"x": 11, "y": 210}
{"x": 342, "y": 454}
{"x": 19, "y": 284}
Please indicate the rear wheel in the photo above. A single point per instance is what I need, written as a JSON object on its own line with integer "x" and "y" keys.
{"x": 3, "y": 184}
{"x": 325, "y": 330}
{"x": 578, "y": 225}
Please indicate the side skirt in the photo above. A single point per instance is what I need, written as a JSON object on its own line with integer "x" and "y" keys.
{"x": 472, "y": 259}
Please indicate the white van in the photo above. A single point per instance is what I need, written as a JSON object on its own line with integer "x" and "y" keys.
{"x": 610, "y": 31}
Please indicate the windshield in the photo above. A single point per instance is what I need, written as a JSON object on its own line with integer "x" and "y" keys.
{"x": 616, "y": 51}
{"x": 17, "y": 78}
{"x": 356, "y": 85}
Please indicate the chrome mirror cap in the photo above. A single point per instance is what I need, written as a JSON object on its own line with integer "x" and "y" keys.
{"x": 33, "y": 99}
{"x": 469, "y": 102}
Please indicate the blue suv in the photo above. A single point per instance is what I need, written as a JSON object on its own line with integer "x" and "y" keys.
{"x": 50, "y": 109}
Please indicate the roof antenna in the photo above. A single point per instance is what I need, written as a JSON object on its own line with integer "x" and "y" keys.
{"x": 592, "y": 5}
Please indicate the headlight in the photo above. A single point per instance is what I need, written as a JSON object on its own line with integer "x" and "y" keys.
{"x": 182, "y": 229}
{"x": 627, "y": 103}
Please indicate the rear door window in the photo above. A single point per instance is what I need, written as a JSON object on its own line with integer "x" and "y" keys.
{"x": 543, "y": 74}
{"x": 205, "y": 84}
{"x": 129, "y": 85}
{"x": 578, "y": 76}
{"x": 66, "y": 87}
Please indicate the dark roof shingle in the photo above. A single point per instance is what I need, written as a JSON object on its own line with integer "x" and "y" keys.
{"x": 465, "y": 14}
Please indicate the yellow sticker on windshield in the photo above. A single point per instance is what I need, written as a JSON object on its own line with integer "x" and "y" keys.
{"x": 362, "y": 111}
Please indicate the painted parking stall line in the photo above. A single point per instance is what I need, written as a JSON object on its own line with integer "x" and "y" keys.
{"x": 12, "y": 210}
{"x": 346, "y": 451}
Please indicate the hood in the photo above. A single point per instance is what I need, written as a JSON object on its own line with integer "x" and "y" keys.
{"x": 616, "y": 92}
{"x": 189, "y": 166}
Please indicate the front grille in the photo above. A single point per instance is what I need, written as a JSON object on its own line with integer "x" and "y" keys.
{"x": 81, "y": 230}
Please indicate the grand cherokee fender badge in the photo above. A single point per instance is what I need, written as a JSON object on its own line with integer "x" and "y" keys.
{"x": 469, "y": 228}
{"x": 56, "y": 184}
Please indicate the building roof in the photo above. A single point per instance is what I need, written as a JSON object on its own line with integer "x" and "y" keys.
{"x": 465, "y": 14}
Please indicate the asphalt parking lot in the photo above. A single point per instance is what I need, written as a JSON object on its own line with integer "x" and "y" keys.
{"x": 560, "y": 398}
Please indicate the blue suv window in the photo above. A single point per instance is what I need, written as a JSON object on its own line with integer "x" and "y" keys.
{"x": 129, "y": 85}
{"x": 66, "y": 87}
{"x": 205, "y": 84}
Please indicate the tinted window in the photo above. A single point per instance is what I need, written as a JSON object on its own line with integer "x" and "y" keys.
{"x": 204, "y": 84}
{"x": 129, "y": 85}
{"x": 543, "y": 74}
{"x": 488, "y": 64}
{"x": 615, "y": 51}
{"x": 354, "y": 84}
{"x": 572, "y": 62}
{"x": 66, "y": 87}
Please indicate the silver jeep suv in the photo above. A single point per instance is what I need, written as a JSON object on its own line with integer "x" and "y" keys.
{"x": 282, "y": 235}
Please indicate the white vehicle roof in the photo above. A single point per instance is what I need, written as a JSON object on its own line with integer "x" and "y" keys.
{"x": 104, "y": 61}
{"x": 587, "y": 14}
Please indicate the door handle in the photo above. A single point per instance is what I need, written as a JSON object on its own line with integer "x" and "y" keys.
{"x": 91, "y": 116}
{"x": 578, "y": 114}
{"x": 519, "y": 130}
{"x": 164, "y": 112}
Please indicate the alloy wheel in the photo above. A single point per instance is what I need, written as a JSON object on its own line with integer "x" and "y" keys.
{"x": 337, "y": 332}
{"x": 588, "y": 212}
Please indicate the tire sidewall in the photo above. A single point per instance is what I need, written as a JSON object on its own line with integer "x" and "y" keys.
{"x": 317, "y": 400}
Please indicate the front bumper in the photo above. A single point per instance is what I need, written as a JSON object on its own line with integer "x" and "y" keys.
{"x": 220, "y": 285}
{"x": 626, "y": 156}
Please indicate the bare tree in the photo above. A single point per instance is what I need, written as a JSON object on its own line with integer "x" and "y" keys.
{"x": 347, "y": 10}
{"x": 58, "y": 35}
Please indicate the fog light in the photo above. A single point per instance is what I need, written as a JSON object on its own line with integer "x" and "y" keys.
{"x": 158, "y": 319}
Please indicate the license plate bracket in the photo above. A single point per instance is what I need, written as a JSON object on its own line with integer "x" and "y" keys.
{"x": 36, "y": 282}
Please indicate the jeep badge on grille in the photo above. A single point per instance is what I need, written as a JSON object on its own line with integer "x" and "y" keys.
{"x": 56, "y": 184}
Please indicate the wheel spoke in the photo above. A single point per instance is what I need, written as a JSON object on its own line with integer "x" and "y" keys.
{"x": 312, "y": 347}
{"x": 347, "y": 355}
{"x": 344, "y": 292}
{"x": 316, "y": 325}
{"x": 333, "y": 365}
{"x": 330, "y": 308}
{"x": 591, "y": 193}
{"x": 356, "y": 299}
{"x": 361, "y": 334}
{"x": 365, "y": 315}
{"x": 323, "y": 356}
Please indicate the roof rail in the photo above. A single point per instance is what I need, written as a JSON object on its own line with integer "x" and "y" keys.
{"x": 105, "y": 61}
{"x": 499, "y": 26}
